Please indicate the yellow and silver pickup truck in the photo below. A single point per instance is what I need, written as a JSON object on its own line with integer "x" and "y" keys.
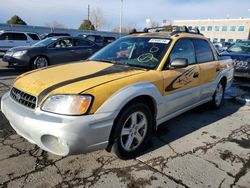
{"x": 119, "y": 96}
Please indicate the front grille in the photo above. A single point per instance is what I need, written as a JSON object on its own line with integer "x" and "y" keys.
{"x": 23, "y": 98}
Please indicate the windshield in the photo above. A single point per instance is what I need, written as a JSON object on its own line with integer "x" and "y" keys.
{"x": 240, "y": 47}
{"x": 141, "y": 52}
{"x": 45, "y": 42}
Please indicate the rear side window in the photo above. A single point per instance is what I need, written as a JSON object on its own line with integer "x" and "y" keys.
{"x": 203, "y": 51}
{"x": 33, "y": 36}
{"x": 83, "y": 43}
{"x": 19, "y": 36}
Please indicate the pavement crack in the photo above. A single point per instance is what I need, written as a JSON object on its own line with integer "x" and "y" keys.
{"x": 177, "y": 181}
{"x": 221, "y": 183}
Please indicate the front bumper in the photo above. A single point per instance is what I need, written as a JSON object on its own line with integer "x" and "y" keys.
{"x": 59, "y": 134}
{"x": 19, "y": 62}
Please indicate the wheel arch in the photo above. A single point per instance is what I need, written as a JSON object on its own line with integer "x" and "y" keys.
{"x": 146, "y": 98}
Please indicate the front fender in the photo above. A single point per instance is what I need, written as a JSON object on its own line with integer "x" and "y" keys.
{"x": 119, "y": 99}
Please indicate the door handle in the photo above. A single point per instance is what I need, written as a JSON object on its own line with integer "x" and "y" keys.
{"x": 196, "y": 75}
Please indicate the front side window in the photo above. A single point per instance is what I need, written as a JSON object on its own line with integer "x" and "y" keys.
{"x": 240, "y": 47}
{"x": 145, "y": 52}
{"x": 183, "y": 49}
{"x": 203, "y": 51}
{"x": 64, "y": 43}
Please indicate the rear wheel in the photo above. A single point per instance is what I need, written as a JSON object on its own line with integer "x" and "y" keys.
{"x": 40, "y": 62}
{"x": 132, "y": 130}
{"x": 218, "y": 95}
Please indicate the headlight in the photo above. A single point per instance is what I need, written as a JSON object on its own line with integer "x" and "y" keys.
{"x": 19, "y": 53}
{"x": 67, "y": 104}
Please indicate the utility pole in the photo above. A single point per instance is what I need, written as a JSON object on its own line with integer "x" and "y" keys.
{"x": 88, "y": 12}
{"x": 121, "y": 14}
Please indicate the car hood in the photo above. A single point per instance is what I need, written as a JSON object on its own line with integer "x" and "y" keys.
{"x": 71, "y": 78}
{"x": 237, "y": 56}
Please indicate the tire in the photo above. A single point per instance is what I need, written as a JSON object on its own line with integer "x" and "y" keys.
{"x": 133, "y": 129}
{"x": 40, "y": 62}
{"x": 218, "y": 96}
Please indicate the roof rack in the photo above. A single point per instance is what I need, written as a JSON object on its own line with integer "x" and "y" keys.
{"x": 171, "y": 29}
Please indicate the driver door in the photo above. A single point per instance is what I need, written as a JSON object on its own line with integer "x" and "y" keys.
{"x": 181, "y": 85}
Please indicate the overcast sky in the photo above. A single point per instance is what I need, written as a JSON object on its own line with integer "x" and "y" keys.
{"x": 71, "y": 12}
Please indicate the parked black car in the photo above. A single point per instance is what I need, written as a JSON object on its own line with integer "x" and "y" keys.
{"x": 97, "y": 39}
{"x": 108, "y": 40}
{"x": 50, "y": 51}
{"x": 240, "y": 53}
{"x": 47, "y": 35}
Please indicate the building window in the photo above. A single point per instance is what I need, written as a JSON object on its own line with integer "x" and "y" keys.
{"x": 230, "y": 40}
{"x": 215, "y": 40}
{"x": 202, "y": 28}
{"x": 232, "y": 28}
{"x": 189, "y": 27}
{"x": 222, "y": 40}
{"x": 217, "y": 28}
{"x": 224, "y": 28}
{"x": 238, "y": 40}
{"x": 241, "y": 28}
{"x": 209, "y": 28}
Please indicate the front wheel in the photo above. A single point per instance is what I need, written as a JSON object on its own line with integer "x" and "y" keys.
{"x": 40, "y": 62}
{"x": 132, "y": 130}
{"x": 218, "y": 95}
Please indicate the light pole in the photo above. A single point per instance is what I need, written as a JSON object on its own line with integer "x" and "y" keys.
{"x": 121, "y": 14}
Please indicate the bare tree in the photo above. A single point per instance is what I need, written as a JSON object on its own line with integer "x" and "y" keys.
{"x": 97, "y": 18}
{"x": 55, "y": 24}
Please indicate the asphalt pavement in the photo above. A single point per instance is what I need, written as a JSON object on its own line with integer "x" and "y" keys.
{"x": 201, "y": 148}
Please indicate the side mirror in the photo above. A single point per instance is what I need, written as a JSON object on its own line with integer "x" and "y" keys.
{"x": 179, "y": 63}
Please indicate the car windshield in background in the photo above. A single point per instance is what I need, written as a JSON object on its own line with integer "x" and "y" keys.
{"x": 45, "y": 42}
{"x": 141, "y": 52}
{"x": 240, "y": 47}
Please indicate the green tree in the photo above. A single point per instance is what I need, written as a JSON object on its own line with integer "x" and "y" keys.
{"x": 16, "y": 20}
{"x": 87, "y": 25}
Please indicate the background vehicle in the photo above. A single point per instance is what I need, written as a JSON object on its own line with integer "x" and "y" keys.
{"x": 240, "y": 53}
{"x": 50, "y": 51}
{"x": 98, "y": 39}
{"x": 10, "y": 39}
{"x": 108, "y": 40}
{"x": 47, "y": 35}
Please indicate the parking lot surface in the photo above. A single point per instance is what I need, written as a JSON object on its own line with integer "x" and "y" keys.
{"x": 201, "y": 148}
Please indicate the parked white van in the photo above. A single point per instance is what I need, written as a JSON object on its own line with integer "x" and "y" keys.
{"x": 10, "y": 39}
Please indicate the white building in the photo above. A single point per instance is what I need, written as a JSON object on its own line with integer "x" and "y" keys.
{"x": 220, "y": 30}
